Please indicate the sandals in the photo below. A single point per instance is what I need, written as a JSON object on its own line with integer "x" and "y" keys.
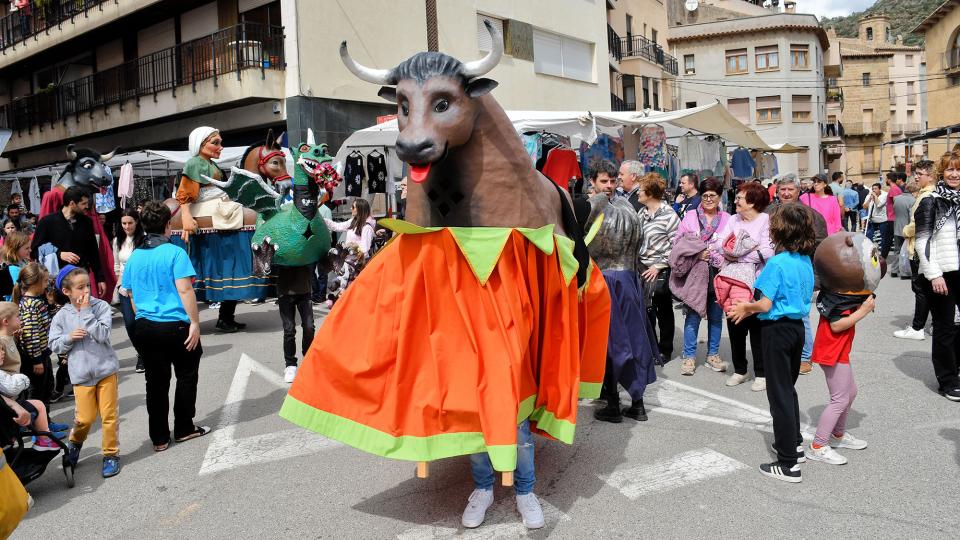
{"x": 161, "y": 447}
{"x": 198, "y": 431}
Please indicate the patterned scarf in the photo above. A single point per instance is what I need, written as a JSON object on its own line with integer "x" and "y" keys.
{"x": 708, "y": 229}
{"x": 952, "y": 197}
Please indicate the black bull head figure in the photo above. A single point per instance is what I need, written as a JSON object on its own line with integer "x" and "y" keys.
{"x": 86, "y": 168}
{"x": 434, "y": 93}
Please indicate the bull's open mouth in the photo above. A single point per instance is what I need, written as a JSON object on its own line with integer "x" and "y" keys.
{"x": 420, "y": 171}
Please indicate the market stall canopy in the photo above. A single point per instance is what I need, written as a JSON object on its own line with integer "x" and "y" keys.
{"x": 711, "y": 119}
{"x": 948, "y": 132}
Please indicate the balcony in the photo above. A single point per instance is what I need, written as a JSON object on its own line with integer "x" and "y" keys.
{"x": 617, "y": 104}
{"x": 613, "y": 44}
{"x": 832, "y": 130}
{"x": 29, "y": 22}
{"x": 641, "y": 47}
{"x": 227, "y": 53}
{"x": 865, "y": 128}
{"x": 906, "y": 129}
{"x": 951, "y": 60}
{"x": 869, "y": 167}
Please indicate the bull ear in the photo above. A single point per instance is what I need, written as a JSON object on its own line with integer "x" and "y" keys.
{"x": 388, "y": 93}
{"x": 480, "y": 87}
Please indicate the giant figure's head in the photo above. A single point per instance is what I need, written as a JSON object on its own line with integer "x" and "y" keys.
{"x": 86, "y": 168}
{"x": 436, "y": 100}
{"x": 848, "y": 263}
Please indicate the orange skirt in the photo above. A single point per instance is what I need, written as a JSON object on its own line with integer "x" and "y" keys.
{"x": 448, "y": 339}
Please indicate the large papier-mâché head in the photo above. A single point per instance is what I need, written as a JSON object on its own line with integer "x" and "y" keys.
{"x": 849, "y": 263}
{"x": 436, "y": 100}
{"x": 314, "y": 164}
{"x": 86, "y": 168}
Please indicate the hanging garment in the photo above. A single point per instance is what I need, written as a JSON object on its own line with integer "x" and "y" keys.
{"x": 376, "y": 172}
{"x": 142, "y": 190}
{"x": 562, "y": 166}
{"x": 652, "y": 151}
{"x": 105, "y": 202}
{"x": 125, "y": 184}
{"x": 770, "y": 165}
{"x": 547, "y": 143}
{"x": 710, "y": 150}
{"x": 605, "y": 148}
{"x": 691, "y": 153}
{"x": 531, "y": 143}
{"x": 743, "y": 165}
{"x": 16, "y": 188}
{"x": 353, "y": 174}
{"x": 34, "y": 196}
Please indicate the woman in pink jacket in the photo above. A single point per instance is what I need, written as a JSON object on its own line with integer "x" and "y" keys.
{"x": 827, "y": 205}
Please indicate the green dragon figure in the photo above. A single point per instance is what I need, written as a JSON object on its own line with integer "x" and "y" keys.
{"x": 288, "y": 234}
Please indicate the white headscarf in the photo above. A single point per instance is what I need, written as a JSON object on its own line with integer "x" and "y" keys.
{"x": 197, "y": 136}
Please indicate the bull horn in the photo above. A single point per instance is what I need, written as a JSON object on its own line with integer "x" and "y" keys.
{"x": 71, "y": 155}
{"x": 107, "y": 157}
{"x": 481, "y": 67}
{"x": 375, "y": 76}
{"x": 311, "y": 140}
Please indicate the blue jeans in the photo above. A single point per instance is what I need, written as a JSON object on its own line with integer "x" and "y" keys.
{"x": 523, "y": 477}
{"x": 691, "y": 327}
{"x": 129, "y": 317}
{"x": 807, "y": 340}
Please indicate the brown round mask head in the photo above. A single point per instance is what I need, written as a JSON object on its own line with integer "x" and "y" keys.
{"x": 848, "y": 262}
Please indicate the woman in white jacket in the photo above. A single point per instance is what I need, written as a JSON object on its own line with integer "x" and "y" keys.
{"x": 937, "y": 223}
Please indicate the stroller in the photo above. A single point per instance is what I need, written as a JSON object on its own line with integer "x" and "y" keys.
{"x": 29, "y": 464}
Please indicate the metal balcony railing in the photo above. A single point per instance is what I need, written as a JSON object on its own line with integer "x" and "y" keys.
{"x": 613, "y": 43}
{"x": 639, "y": 46}
{"x": 865, "y": 128}
{"x": 33, "y": 20}
{"x": 906, "y": 128}
{"x": 617, "y": 104}
{"x": 951, "y": 59}
{"x": 228, "y": 51}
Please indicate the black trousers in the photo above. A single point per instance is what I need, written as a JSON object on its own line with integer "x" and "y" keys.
{"x": 660, "y": 312}
{"x": 163, "y": 349}
{"x": 944, "y": 354}
{"x": 738, "y": 345}
{"x": 228, "y": 310}
{"x": 289, "y": 306}
{"x": 782, "y": 345}
{"x": 850, "y": 220}
{"x": 63, "y": 375}
{"x": 41, "y": 386}
{"x": 919, "y": 286}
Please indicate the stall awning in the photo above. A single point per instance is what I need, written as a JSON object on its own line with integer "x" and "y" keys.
{"x": 938, "y": 133}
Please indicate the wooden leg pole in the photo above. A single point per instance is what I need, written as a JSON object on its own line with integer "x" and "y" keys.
{"x": 423, "y": 469}
{"x": 507, "y": 478}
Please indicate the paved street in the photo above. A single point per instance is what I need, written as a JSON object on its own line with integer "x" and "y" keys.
{"x": 689, "y": 472}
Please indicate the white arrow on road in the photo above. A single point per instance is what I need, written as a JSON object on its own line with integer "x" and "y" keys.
{"x": 226, "y": 451}
{"x": 678, "y": 471}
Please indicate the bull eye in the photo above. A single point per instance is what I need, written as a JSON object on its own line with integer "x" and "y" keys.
{"x": 442, "y": 106}
{"x": 88, "y": 165}
{"x": 404, "y": 109}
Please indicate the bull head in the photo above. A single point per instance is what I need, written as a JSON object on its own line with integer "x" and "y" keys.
{"x": 436, "y": 100}
{"x": 86, "y": 168}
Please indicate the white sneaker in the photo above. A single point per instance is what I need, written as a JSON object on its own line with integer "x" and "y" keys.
{"x": 476, "y": 510}
{"x": 801, "y": 456}
{"x": 847, "y": 441}
{"x": 827, "y": 455}
{"x": 530, "y": 511}
{"x": 289, "y": 374}
{"x": 759, "y": 384}
{"x": 910, "y": 333}
{"x": 736, "y": 379}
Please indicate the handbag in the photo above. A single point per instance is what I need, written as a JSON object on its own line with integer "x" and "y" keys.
{"x": 661, "y": 285}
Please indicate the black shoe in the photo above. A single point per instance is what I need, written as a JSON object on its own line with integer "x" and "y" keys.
{"x": 226, "y": 327}
{"x": 55, "y": 396}
{"x": 894, "y": 275}
{"x": 239, "y": 325}
{"x": 906, "y": 277}
{"x": 140, "y": 367}
{"x": 952, "y": 395}
{"x": 69, "y": 392}
{"x": 609, "y": 414}
{"x": 781, "y": 472}
{"x": 636, "y": 411}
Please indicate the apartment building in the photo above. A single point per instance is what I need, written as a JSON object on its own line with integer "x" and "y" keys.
{"x": 768, "y": 70}
{"x": 879, "y": 89}
{"x": 941, "y": 31}
{"x": 642, "y": 73}
{"x": 142, "y": 73}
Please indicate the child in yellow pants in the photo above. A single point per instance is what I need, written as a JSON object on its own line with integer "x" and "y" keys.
{"x": 81, "y": 330}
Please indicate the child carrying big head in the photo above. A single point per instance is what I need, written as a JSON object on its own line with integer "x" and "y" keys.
{"x": 30, "y": 413}
{"x": 81, "y": 330}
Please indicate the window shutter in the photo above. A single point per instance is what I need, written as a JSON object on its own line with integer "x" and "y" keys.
{"x": 768, "y": 102}
{"x": 740, "y": 109}
{"x": 577, "y": 59}
{"x": 802, "y": 104}
{"x": 547, "y": 54}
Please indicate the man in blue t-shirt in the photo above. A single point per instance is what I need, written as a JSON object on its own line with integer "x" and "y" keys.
{"x": 851, "y": 207}
{"x": 159, "y": 276}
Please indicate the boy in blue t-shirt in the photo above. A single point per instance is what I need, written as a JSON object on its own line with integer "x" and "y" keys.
{"x": 784, "y": 289}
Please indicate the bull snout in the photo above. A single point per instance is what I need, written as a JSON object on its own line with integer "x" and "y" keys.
{"x": 422, "y": 151}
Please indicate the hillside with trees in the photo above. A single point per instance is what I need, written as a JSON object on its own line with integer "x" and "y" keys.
{"x": 904, "y": 15}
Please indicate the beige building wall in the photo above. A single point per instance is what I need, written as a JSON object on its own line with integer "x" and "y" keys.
{"x": 943, "y": 85}
{"x": 648, "y": 19}
{"x": 906, "y": 107}
{"x": 866, "y": 115}
{"x": 382, "y": 33}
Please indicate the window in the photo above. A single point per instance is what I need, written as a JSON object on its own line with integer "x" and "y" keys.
{"x": 653, "y": 35}
{"x": 740, "y": 109}
{"x": 630, "y": 93}
{"x": 629, "y": 25}
{"x": 911, "y": 93}
{"x": 909, "y": 60}
{"x": 656, "y": 95}
{"x": 691, "y": 104}
{"x": 562, "y": 56}
{"x": 736, "y": 61}
{"x": 689, "y": 67}
{"x": 892, "y": 92}
{"x": 645, "y": 82}
{"x": 768, "y": 109}
{"x": 483, "y": 37}
{"x": 802, "y": 109}
{"x": 869, "y": 34}
{"x": 866, "y": 79}
{"x": 768, "y": 58}
{"x": 800, "y": 56}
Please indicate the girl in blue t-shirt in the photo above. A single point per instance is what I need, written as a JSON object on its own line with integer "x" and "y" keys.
{"x": 783, "y": 291}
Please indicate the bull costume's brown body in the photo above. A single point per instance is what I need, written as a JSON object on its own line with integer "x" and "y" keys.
{"x": 478, "y": 316}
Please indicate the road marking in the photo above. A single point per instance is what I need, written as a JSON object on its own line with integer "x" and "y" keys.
{"x": 680, "y": 470}
{"x": 226, "y": 451}
{"x": 502, "y": 521}
{"x": 676, "y": 399}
